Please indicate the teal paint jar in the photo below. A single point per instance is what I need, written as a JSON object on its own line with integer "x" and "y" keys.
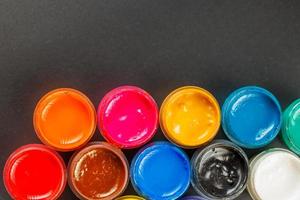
{"x": 291, "y": 126}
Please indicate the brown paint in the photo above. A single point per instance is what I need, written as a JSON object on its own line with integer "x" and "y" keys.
{"x": 99, "y": 171}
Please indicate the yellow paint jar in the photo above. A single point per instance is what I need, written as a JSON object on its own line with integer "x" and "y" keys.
{"x": 190, "y": 116}
{"x": 130, "y": 197}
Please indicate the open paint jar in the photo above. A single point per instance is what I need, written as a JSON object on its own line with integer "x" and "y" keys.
{"x": 190, "y": 117}
{"x": 127, "y": 117}
{"x": 291, "y": 126}
{"x": 130, "y": 197}
{"x": 274, "y": 175}
{"x": 64, "y": 119}
{"x": 219, "y": 171}
{"x": 251, "y": 117}
{"x": 34, "y": 171}
{"x": 160, "y": 171}
{"x": 98, "y": 172}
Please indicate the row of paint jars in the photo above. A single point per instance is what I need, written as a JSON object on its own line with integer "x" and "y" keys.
{"x": 190, "y": 117}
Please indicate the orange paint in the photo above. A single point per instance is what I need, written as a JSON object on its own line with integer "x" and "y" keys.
{"x": 64, "y": 119}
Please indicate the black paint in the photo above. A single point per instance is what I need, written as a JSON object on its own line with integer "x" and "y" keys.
{"x": 221, "y": 171}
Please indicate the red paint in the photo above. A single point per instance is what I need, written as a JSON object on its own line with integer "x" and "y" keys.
{"x": 128, "y": 117}
{"x": 34, "y": 172}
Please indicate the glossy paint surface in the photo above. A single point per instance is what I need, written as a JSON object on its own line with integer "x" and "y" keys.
{"x": 220, "y": 171}
{"x": 251, "y": 117}
{"x": 64, "y": 119}
{"x": 34, "y": 172}
{"x": 128, "y": 117}
{"x": 98, "y": 171}
{"x": 291, "y": 126}
{"x": 190, "y": 116}
{"x": 160, "y": 171}
{"x": 275, "y": 175}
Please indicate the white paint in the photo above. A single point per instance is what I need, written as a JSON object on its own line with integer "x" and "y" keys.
{"x": 277, "y": 177}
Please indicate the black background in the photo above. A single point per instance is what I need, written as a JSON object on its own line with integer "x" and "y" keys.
{"x": 96, "y": 45}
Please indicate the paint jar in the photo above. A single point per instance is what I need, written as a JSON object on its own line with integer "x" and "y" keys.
{"x": 274, "y": 175}
{"x": 219, "y": 171}
{"x": 160, "y": 171}
{"x": 190, "y": 117}
{"x": 251, "y": 117}
{"x": 34, "y": 171}
{"x": 291, "y": 126}
{"x": 127, "y": 117}
{"x": 98, "y": 172}
{"x": 192, "y": 198}
{"x": 130, "y": 197}
{"x": 64, "y": 119}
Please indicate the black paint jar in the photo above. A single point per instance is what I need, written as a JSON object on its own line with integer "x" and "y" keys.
{"x": 220, "y": 171}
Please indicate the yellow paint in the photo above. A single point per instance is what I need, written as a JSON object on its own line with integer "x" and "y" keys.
{"x": 190, "y": 116}
{"x": 130, "y": 197}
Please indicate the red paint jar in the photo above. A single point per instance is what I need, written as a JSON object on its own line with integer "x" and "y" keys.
{"x": 98, "y": 172}
{"x": 34, "y": 171}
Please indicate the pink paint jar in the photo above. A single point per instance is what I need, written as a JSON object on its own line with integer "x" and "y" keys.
{"x": 127, "y": 117}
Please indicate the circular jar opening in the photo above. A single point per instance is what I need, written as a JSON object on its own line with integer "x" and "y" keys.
{"x": 34, "y": 171}
{"x": 251, "y": 117}
{"x": 98, "y": 172}
{"x": 274, "y": 175}
{"x": 219, "y": 171}
{"x": 64, "y": 119}
{"x": 160, "y": 171}
{"x": 190, "y": 116}
{"x": 128, "y": 117}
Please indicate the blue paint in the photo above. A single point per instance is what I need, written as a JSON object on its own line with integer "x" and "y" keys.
{"x": 251, "y": 117}
{"x": 192, "y": 198}
{"x": 160, "y": 171}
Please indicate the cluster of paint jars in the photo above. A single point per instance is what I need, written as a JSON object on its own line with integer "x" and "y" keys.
{"x": 128, "y": 117}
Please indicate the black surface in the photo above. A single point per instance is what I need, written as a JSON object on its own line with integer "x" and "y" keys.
{"x": 97, "y": 45}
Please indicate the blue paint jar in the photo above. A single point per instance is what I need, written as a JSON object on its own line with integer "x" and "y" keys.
{"x": 160, "y": 171}
{"x": 251, "y": 117}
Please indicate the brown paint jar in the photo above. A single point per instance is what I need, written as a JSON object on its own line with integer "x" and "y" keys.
{"x": 98, "y": 172}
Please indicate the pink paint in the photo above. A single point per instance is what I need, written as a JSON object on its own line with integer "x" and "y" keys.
{"x": 127, "y": 117}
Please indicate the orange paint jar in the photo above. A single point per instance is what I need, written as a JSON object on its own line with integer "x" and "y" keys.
{"x": 64, "y": 119}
